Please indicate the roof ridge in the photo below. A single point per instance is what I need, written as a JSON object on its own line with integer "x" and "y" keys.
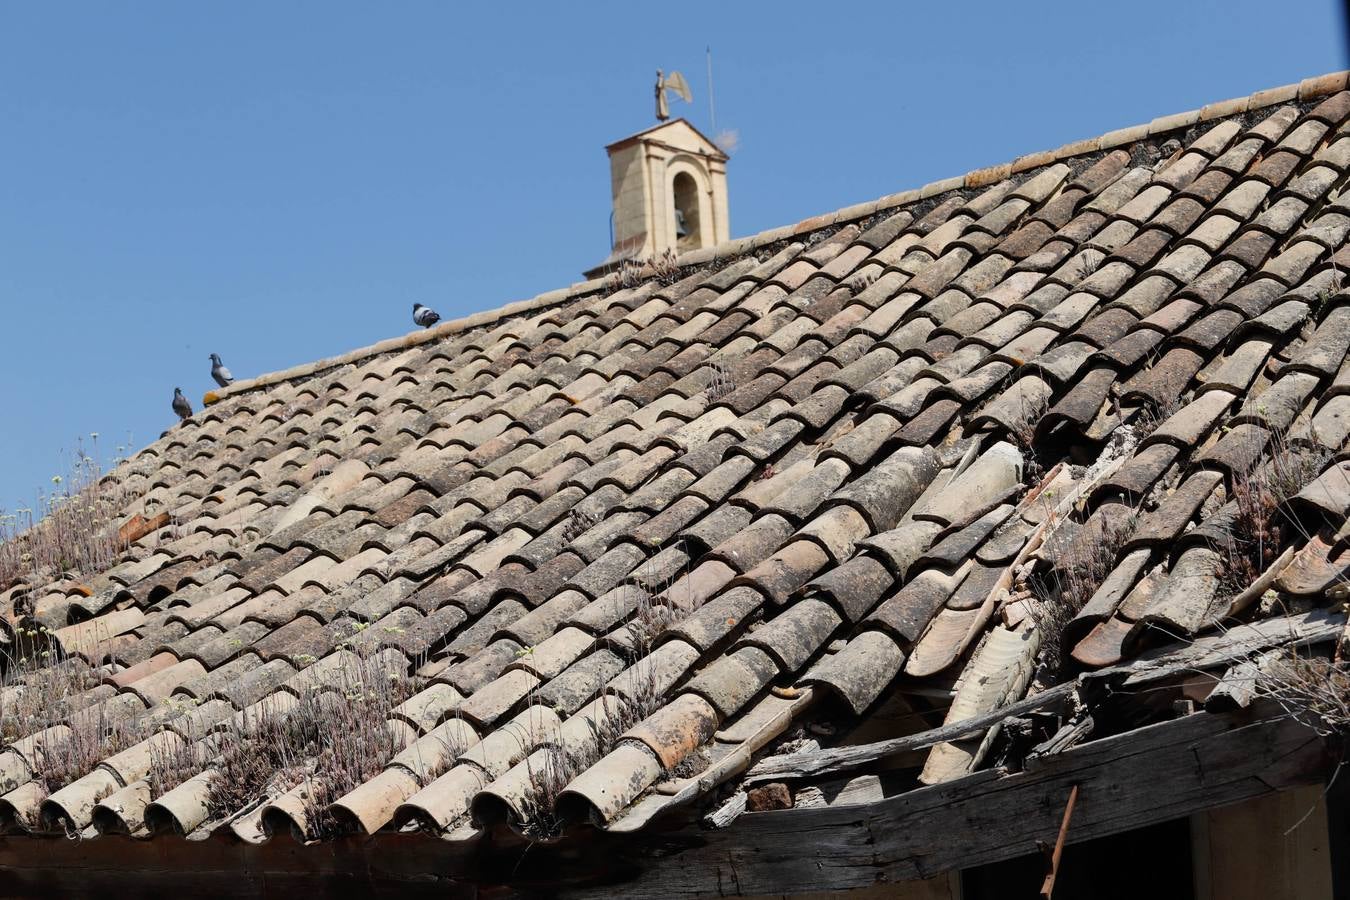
{"x": 412, "y": 339}
{"x": 1307, "y": 89}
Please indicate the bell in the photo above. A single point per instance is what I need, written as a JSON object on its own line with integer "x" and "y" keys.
{"x": 680, "y": 229}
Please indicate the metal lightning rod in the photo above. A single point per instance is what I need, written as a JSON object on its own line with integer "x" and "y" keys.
{"x": 712, "y": 110}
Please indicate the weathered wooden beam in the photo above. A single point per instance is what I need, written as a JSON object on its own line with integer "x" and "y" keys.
{"x": 1126, "y": 781}
{"x": 1215, "y": 650}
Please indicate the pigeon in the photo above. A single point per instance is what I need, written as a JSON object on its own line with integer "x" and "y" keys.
{"x": 219, "y": 372}
{"x": 181, "y": 404}
{"x": 425, "y": 315}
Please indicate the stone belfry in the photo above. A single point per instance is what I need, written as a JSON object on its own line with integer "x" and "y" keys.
{"x": 669, "y": 187}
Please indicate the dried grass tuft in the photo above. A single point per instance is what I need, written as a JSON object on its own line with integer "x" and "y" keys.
{"x": 172, "y": 763}
{"x": 38, "y": 684}
{"x": 1312, "y": 689}
{"x": 94, "y": 734}
{"x": 335, "y": 737}
{"x": 579, "y": 522}
{"x": 1260, "y": 532}
{"x": 548, "y": 779}
{"x": 665, "y": 268}
{"x": 559, "y": 767}
{"x": 1058, "y": 594}
{"x": 73, "y": 529}
{"x": 1150, "y": 417}
{"x": 720, "y": 384}
{"x": 42, "y": 688}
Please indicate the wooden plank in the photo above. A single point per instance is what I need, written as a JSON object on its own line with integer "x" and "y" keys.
{"x": 1239, "y": 685}
{"x": 1154, "y": 774}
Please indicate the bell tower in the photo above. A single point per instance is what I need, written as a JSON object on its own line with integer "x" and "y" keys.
{"x": 669, "y": 187}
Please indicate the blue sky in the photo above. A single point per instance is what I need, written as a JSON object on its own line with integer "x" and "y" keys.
{"x": 278, "y": 182}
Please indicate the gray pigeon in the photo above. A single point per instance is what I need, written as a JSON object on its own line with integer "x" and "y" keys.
{"x": 425, "y": 315}
{"x": 219, "y": 372}
{"x": 181, "y": 404}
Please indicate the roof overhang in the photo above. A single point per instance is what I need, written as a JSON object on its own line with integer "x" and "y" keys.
{"x": 1152, "y": 774}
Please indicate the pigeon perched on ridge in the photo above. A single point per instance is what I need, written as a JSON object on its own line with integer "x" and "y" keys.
{"x": 181, "y": 404}
{"x": 219, "y": 372}
{"x": 425, "y": 315}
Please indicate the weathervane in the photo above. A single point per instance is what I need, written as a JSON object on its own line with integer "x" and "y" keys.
{"x": 673, "y": 82}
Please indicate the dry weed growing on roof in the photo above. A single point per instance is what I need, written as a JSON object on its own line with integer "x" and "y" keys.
{"x": 579, "y": 522}
{"x": 629, "y": 273}
{"x": 1059, "y": 593}
{"x": 1024, "y": 430}
{"x": 665, "y": 268}
{"x": 860, "y": 283}
{"x": 649, "y": 620}
{"x": 42, "y": 688}
{"x": 72, "y": 529}
{"x": 173, "y": 762}
{"x": 560, "y": 765}
{"x": 720, "y": 383}
{"x": 1312, "y": 689}
{"x": 1150, "y": 417}
{"x": 332, "y": 737}
{"x": 549, "y": 776}
{"x": 656, "y": 604}
{"x": 38, "y": 684}
{"x": 1260, "y": 531}
{"x": 94, "y": 734}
